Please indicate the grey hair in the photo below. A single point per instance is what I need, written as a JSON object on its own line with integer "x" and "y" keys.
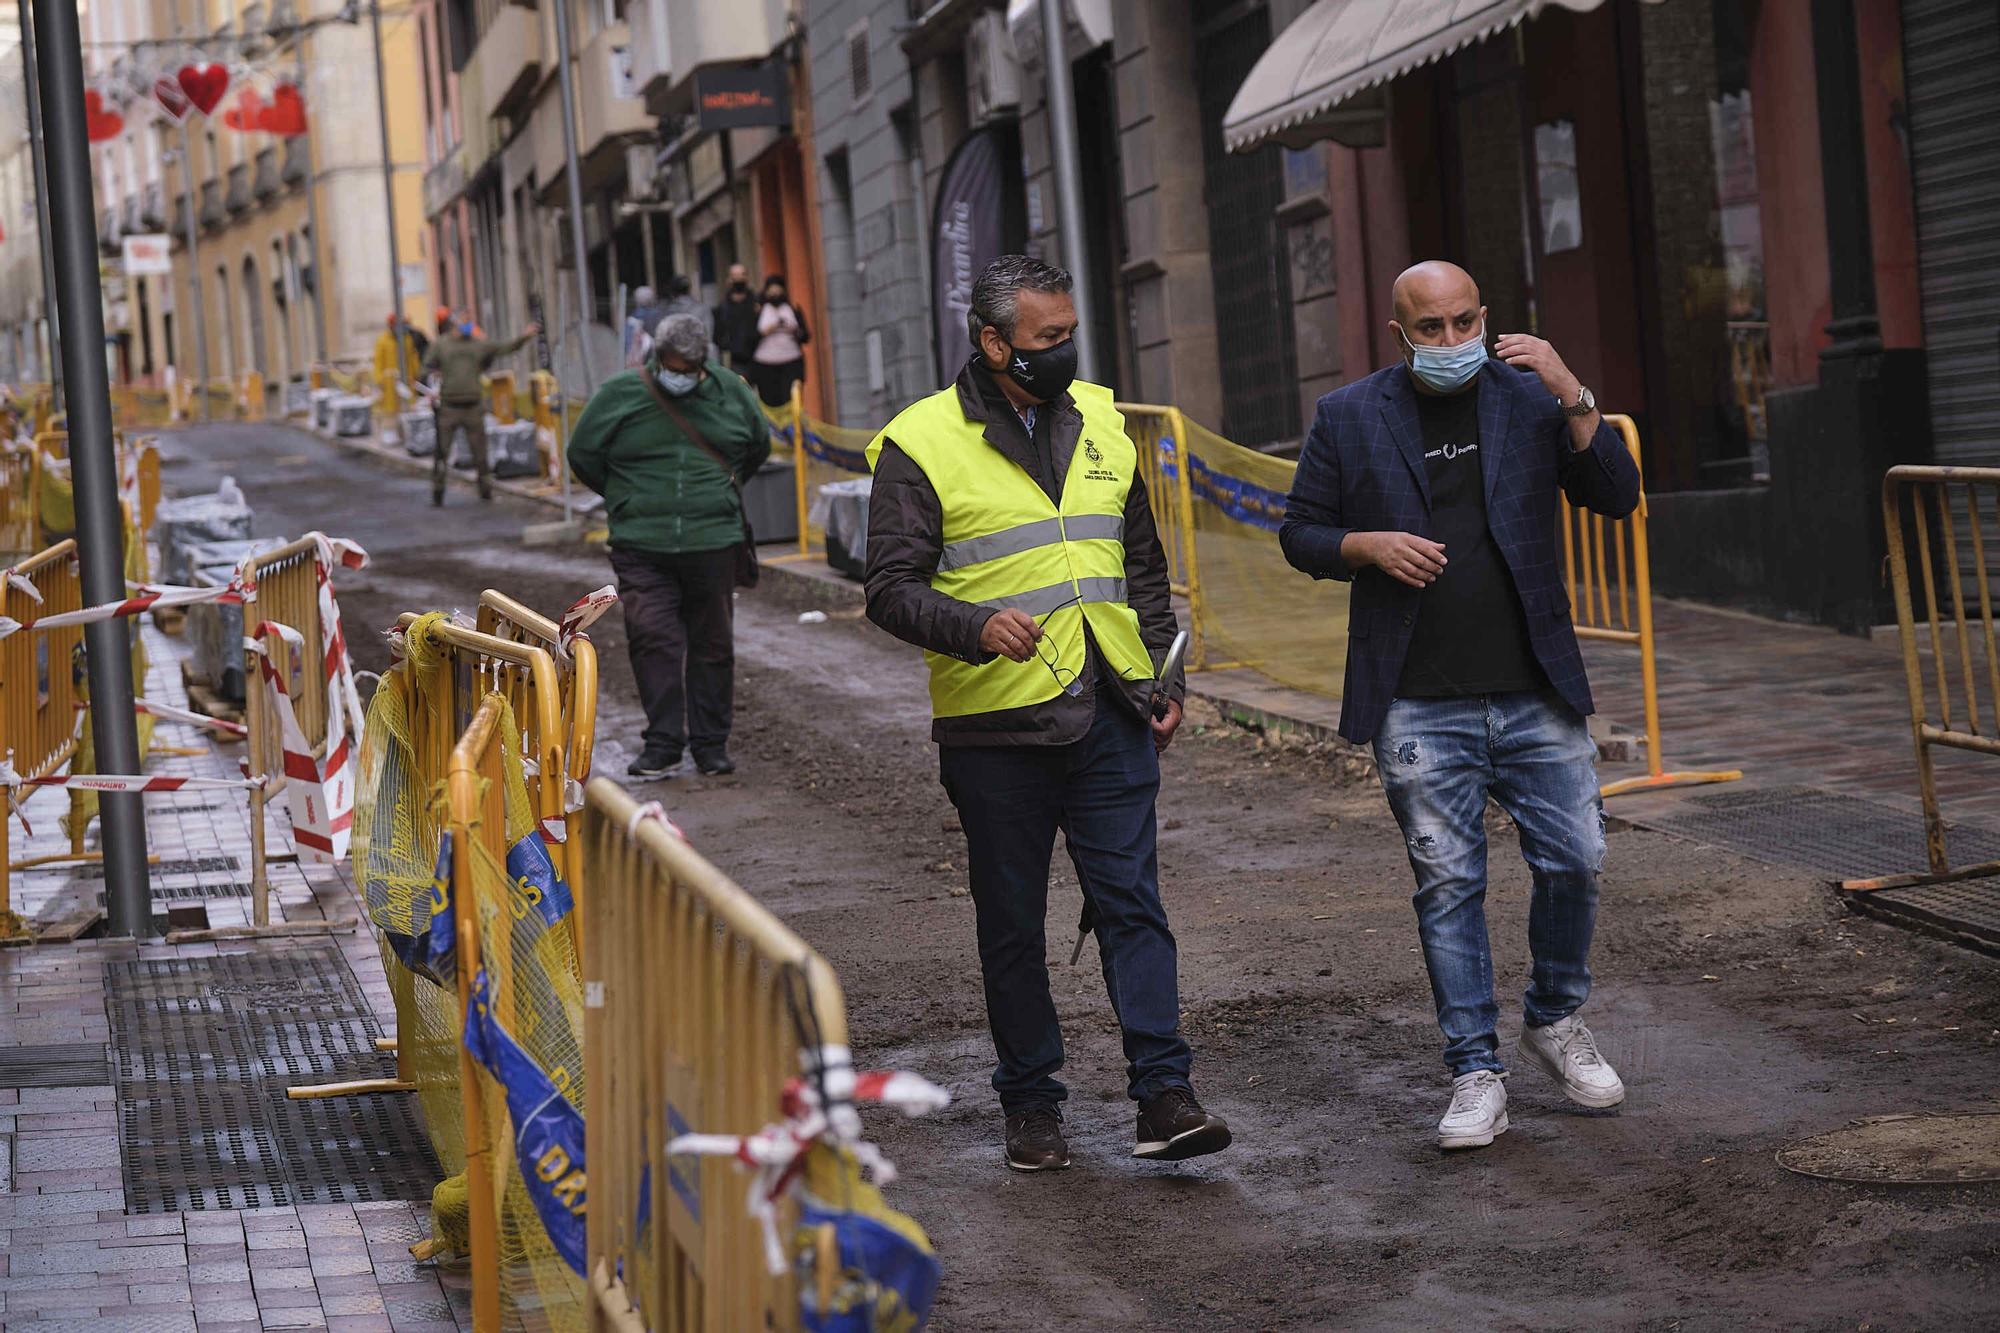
{"x": 644, "y": 296}
{"x": 683, "y": 335}
{"x": 995, "y": 291}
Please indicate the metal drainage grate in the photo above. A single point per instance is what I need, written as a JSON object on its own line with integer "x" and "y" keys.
{"x": 1967, "y": 911}
{"x": 203, "y": 1049}
{"x": 68, "y": 1065}
{"x": 193, "y": 865}
{"x": 1841, "y": 836}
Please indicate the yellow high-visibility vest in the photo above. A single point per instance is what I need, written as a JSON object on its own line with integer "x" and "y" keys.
{"x": 1007, "y": 545}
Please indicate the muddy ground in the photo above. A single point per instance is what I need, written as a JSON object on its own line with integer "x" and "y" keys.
{"x": 1742, "y": 1006}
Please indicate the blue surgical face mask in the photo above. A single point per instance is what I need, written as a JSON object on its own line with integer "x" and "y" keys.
{"x": 679, "y": 383}
{"x": 1448, "y": 369}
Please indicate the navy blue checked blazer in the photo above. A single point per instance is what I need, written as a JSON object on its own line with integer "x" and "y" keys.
{"x": 1362, "y": 470}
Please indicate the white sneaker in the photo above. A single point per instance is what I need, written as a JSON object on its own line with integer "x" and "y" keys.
{"x": 1478, "y": 1112}
{"x": 1567, "y": 1053}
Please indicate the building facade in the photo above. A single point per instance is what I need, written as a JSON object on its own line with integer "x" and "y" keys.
{"x": 666, "y": 191}
{"x": 1769, "y": 232}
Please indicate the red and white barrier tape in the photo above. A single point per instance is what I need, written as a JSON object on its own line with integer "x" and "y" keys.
{"x": 123, "y": 782}
{"x": 145, "y": 599}
{"x": 582, "y": 613}
{"x": 175, "y": 713}
{"x": 776, "y": 1153}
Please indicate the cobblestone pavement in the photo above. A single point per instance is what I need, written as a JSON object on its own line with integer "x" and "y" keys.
{"x": 71, "y": 1258}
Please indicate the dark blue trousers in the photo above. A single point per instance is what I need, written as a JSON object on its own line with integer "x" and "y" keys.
{"x": 1100, "y": 792}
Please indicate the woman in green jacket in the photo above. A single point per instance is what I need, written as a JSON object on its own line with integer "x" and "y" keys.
{"x": 676, "y": 528}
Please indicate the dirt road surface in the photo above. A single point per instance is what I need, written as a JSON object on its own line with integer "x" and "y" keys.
{"x": 1742, "y": 1007}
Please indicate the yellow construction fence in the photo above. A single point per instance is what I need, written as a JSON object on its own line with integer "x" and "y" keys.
{"x": 1950, "y": 516}
{"x": 38, "y": 682}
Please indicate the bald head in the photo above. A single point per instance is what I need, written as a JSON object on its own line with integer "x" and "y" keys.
{"x": 1433, "y": 284}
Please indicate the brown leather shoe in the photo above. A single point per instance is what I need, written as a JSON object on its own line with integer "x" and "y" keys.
{"x": 1035, "y": 1140}
{"x": 1173, "y": 1127}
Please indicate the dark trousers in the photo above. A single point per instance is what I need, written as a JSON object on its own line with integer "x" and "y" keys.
{"x": 450, "y": 420}
{"x": 774, "y": 382}
{"x": 1100, "y": 792}
{"x": 680, "y": 630}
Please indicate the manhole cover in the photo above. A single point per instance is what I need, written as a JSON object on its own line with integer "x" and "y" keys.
{"x": 1903, "y": 1150}
{"x": 68, "y": 1065}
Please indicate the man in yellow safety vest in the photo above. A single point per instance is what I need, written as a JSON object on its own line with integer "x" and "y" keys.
{"x": 1009, "y": 536}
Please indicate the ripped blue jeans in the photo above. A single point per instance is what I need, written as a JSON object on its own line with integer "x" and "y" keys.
{"x": 1439, "y": 760}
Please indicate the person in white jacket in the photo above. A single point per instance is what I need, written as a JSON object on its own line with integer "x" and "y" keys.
{"x": 781, "y": 338}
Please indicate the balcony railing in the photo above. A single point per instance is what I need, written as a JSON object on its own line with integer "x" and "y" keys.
{"x": 298, "y": 164}
{"x": 153, "y": 212}
{"x": 212, "y": 215}
{"x": 510, "y": 59}
{"x": 238, "y": 198}
{"x": 266, "y": 183}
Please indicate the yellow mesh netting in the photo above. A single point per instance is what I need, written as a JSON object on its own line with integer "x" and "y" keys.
{"x": 400, "y": 812}
{"x": 832, "y": 453}
{"x": 1254, "y": 610}
{"x": 538, "y": 998}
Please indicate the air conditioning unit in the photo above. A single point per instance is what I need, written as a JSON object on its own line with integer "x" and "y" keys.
{"x": 991, "y": 69}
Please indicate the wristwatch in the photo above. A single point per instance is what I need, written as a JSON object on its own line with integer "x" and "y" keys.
{"x": 1585, "y": 404}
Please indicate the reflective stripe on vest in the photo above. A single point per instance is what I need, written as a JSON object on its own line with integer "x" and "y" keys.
{"x": 1008, "y": 546}
{"x": 1026, "y": 537}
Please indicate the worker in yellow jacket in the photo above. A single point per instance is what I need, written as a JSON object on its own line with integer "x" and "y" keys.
{"x": 385, "y": 365}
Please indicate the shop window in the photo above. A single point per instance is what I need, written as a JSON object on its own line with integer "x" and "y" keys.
{"x": 1711, "y": 356}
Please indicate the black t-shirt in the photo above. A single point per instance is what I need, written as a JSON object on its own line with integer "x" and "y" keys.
{"x": 1471, "y": 635}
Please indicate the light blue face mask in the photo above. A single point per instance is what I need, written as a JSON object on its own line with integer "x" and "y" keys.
{"x": 1448, "y": 369}
{"x": 679, "y": 383}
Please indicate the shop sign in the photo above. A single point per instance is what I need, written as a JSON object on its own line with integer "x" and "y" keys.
{"x": 743, "y": 96}
{"x": 148, "y": 254}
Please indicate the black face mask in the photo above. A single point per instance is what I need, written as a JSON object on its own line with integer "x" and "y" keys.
{"x": 1043, "y": 371}
{"x": 739, "y": 288}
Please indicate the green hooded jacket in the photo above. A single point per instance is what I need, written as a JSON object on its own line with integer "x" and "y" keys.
{"x": 663, "y": 493}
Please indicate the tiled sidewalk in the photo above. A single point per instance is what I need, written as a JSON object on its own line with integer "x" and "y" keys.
{"x": 71, "y": 1259}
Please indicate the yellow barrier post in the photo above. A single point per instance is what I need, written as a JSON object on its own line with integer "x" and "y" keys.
{"x": 1927, "y": 493}
{"x": 478, "y": 809}
{"x": 1588, "y": 574}
{"x": 696, "y": 996}
{"x": 500, "y": 396}
{"x": 799, "y": 456}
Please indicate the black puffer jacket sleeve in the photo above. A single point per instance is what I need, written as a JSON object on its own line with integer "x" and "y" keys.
{"x": 905, "y": 543}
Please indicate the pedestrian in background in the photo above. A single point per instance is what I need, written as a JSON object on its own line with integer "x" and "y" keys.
{"x": 669, "y": 446}
{"x": 781, "y": 338}
{"x": 461, "y": 359}
{"x": 681, "y": 300}
{"x": 1432, "y": 486}
{"x": 735, "y": 323}
{"x": 640, "y": 322}
{"x": 1009, "y": 536}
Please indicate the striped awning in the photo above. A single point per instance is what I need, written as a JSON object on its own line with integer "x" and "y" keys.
{"x": 1339, "y": 48}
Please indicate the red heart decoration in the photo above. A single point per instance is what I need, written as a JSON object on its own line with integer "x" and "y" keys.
{"x": 204, "y": 85}
{"x": 172, "y": 99}
{"x": 249, "y": 109}
{"x": 99, "y": 124}
{"x": 286, "y": 115}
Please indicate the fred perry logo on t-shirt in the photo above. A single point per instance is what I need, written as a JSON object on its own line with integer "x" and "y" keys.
{"x": 1452, "y": 451}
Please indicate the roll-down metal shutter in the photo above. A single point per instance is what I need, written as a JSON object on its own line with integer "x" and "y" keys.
{"x": 1951, "y": 59}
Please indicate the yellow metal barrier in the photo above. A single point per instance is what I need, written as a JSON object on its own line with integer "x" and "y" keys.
{"x": 38, "y": 696}
{"x": 1608, "y": 569}
{"x": 576, "y": 670}
{"x": 1954, "y": 499}
{"x": 694, "y": 1019}
{"x": 20, "y": 491}
{"x": 287, "y": 583}
{"x": 250, "y": 397}
{"x": 821, "y": 452}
